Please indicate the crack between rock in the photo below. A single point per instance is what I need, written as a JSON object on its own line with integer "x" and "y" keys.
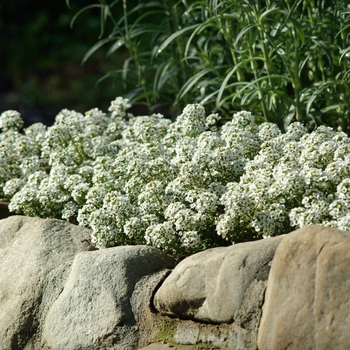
{"x": 316, "y": 292}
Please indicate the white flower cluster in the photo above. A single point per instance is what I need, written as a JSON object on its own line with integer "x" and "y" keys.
{"x": 20, "y": 153}
{"x": 163, "y": 185}
{"x": 10, "y": 120}
{"x": 180, "y": 186}
{"x": 296, "y": 179}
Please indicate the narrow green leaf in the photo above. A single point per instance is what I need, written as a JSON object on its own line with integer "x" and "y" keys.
{"x": 268, "y": 11}
{"x": 147, "y": 14}
{"x": 192, "y": 81}
{"x": 103, "y": 16}
{"x": 291, "y": 11}
{"x": 343, "y": 53}
{"x": 83, "y": 10}
{"x": 316, "y": 94}
{"x": 201, "y": 26}
{"x": 228, "y": 87}
{"x": 118, "y": 44}
{"x": 95, "y": 48}
{"x": 250, "y": 96}
{"x": 297, "y": 25}
{"x": 163, "y": 74}
{"x": 330, "y": 108}
{"x": 223, "y": 86}
{"x": 106, "y": 76}
{"x": 229, "y": 75}
{"x": 243, "y": 32}
{"x": 144, "y": 5}
{"x": 289, "y": 116}
{"x": 126, "y": 68}
{"x": 267, "y": 77}
{"x": 174, "y": 36}
{"x": 113, "y": 3}
{"x": 326, "y": 47}
{"x": 135, "y": 32}
{"x": 302, "y": 65}
{"x": 208, "y": 97}
{"x": 133, "y": 95}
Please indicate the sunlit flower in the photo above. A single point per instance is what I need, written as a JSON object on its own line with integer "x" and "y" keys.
{"x": 175, "y": 185}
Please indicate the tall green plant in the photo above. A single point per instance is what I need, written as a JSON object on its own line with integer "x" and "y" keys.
{"x": 137, "y": 31}
{"x": 283, "y": 60}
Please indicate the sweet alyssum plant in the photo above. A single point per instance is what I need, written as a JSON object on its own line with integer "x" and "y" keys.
{"x": 181, "y": 186}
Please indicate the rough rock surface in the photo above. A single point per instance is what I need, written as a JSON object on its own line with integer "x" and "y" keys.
{"x": 307, "y": 303}
{"x": 56, "y": 293}
{"x": 167, "y": 347}
{"x": 30, "y": 249}
{"x": 221, "y": 285}
{"x": 95, "y": 308}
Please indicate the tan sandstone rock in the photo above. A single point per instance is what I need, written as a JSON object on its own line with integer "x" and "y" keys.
{"x": 221, "y": 285}
{"x": 307, "y": 301}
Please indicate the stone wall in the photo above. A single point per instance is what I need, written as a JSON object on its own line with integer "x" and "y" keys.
{"x": 57, "y": 292}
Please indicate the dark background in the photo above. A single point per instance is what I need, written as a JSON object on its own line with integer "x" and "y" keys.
{"x": 40, "y": 60}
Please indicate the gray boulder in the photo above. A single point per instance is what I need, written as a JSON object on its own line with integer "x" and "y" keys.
{"x": 98, "y": 305}
{"x": 307, "y": 304}
{"x": 58, "y": 292}
{"x": 30, "y": 249}
{"x": 221, "y": 285}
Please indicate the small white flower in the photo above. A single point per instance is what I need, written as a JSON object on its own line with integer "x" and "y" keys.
{"x": 10, "y": 120}
{"x": 146, "y": 179}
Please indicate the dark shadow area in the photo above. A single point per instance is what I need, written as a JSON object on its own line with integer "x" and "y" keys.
{"x": 40, "y": 60}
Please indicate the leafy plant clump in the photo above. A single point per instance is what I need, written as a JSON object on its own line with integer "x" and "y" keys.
{"x": 282, "y": 60}
{"x": 180, "y": 186}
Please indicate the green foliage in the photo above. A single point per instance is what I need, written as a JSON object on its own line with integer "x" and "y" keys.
{"x": 282, "y": 60}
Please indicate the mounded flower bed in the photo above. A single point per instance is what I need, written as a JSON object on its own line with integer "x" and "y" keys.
{"x": 181, "y": 186}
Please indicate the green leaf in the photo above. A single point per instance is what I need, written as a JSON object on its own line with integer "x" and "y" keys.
{"x": 250, "y": 96}
{"x": 330, "y": 108}
{"x": 243, "y": 32}
{"x": 83, "y": 10}
{"x": 200, "y": 27}
{"x": 163, "y": 74}
{"x": 291, "y": 12}
{"x": 95, "y": 48}
{"x": 102, "y": 22}
{"x": 192, "y": 81}
{"x": 268, "y": 11}
{"x": 125, "y": 69}
{"x": 299, "y": 29}
{"x": 147, "y": 14}
{"x": 119, "y": 43}
{"x": 174, "y": 36}
{"x": 343, "y": 53}
{"x": 208, "y": 98}
{"x": 267, "y": 77}
{"x": 316, "y": 94}
{"x": 228, "y": 77}
{"x": 144, "y": 5}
